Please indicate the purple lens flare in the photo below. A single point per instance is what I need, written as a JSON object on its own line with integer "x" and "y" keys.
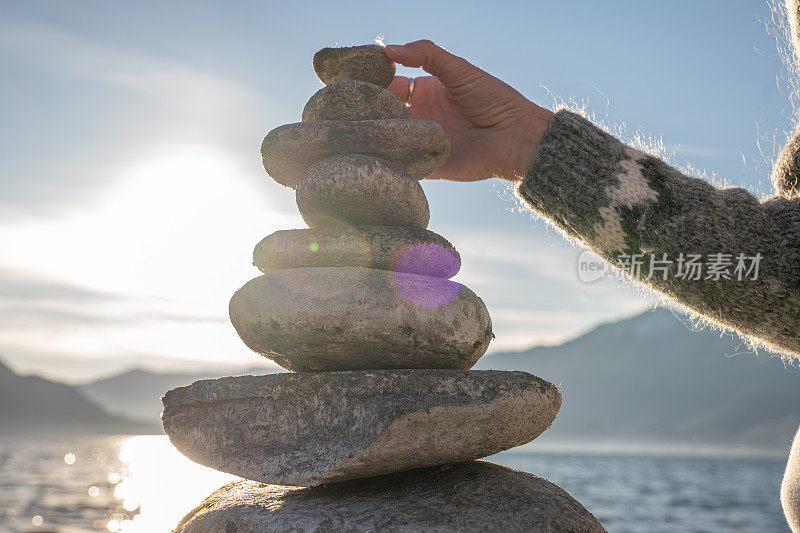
{"x": 428, "y": 259}
{"x": 425, "y": 291}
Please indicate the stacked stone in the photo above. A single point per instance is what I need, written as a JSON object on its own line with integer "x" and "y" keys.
{"x": 361, "y": 309}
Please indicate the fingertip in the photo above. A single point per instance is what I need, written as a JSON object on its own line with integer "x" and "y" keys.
{"x": 432, "y": 58}
{"x": 393, "y": 51}
{"x": 407, "y": 55}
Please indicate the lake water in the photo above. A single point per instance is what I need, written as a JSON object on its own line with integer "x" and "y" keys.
{"x": 142, "y": 484}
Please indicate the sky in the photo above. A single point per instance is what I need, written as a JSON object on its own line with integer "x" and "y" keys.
{"x": 132, "y": 192}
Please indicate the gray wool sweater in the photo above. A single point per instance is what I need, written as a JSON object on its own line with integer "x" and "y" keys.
{"x": 625, "y": 204}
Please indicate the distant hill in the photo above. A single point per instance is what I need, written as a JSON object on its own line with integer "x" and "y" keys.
{"x": 652, "y": 380}
{"x": 648, "y": 381}
{"x": 137, "y": 394}
{"x": 30, "y": 404}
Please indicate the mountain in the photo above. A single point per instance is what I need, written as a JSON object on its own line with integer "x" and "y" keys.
{"x": 653, "y": 380}
{"x": 137, "y": 394}
{"x": 30, "y": 404}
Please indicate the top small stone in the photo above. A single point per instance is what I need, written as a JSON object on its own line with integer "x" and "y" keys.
{"x": 365, "y": 63}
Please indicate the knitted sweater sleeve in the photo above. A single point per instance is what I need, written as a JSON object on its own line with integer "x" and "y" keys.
{"x": 688, "y": 240}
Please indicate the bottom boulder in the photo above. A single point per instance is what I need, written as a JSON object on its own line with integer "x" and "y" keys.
{"x": 472, "y": 496}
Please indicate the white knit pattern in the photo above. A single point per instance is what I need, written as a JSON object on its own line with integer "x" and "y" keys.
{"x": 631, "y": 190}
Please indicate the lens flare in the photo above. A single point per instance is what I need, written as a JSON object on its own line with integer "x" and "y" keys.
{"x": 425, "y": 291}
{"x": 428, "y": 259}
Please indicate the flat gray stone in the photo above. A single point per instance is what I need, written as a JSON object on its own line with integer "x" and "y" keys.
{"x": 362, "y": 190}
{"x": 348, "y": 318}
{"x": 465, "y": 497}
{"x": 365, "y": 63}
{"x": 354, "y": 100}
{"x": 323, "y": 427}
{"x": 402, "y": 249}
{"x": 419, "y": 146}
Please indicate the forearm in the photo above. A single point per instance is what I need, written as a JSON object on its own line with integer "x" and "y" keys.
{"x": 625, "y": 203}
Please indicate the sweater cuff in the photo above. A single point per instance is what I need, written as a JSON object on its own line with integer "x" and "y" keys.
{"x": 587, "y": 183}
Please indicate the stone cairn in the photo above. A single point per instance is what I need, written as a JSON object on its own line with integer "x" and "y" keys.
{"x": 378, "y": 424}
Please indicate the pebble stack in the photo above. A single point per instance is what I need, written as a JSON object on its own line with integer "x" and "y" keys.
{"x": 378, "y": 424}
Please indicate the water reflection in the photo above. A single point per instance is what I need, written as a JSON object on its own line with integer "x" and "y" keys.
{"x": 142, "y": 484}
{"x": 118, "y": 484}
{"x": 159, "y": 485}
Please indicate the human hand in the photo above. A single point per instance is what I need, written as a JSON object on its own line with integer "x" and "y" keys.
{"x": 494, "y": 130}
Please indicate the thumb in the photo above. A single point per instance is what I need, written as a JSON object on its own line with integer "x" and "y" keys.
{"x": 450, "y": 69}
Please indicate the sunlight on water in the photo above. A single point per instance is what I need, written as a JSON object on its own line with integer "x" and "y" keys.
{"x": 136, "y": 484}
{"x": 161, "y": 483}
{"x": 143, "y": 484}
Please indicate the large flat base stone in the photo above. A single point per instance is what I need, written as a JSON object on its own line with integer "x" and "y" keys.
{"x": 474, "y": 496}
{"x": 314, "y": 428}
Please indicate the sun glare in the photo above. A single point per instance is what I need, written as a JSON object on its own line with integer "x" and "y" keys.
{"x": 173, "y": 240}
{"x": 161, "y": 484}
{"x": 157, "y": 232}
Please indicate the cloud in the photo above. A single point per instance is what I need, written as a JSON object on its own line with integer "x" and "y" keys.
{"x": 172, "y": 83}
{"x": 17, "y": 285}
{"x": 40, "y": 305}
{"x": 540, "y": 255}
{"x": 30, "y": 300}
{"x": 528, "y": 280}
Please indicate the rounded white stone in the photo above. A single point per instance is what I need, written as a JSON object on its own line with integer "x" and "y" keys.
{"x": 360, "y": 190}
{"x": 354, "y": 100}
{"x": 343, "y": 318}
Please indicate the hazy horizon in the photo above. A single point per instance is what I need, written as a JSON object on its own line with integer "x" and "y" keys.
{"x": 217, "y": 367}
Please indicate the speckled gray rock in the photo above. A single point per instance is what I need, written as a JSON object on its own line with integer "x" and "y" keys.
{"x": 341, "y": 318}
{"x": 402, "y": 249}
{"x": 354, "y": 100}
{"x": 465, "y": 497}
{"x": 365, "y": 63}
{"x": 323, "y": 427}
{"x": 419, "y": 146}
{"x": 362, "y": 190}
